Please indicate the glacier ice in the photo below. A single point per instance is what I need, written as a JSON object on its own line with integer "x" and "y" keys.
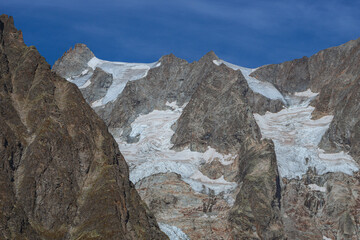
{"x": 152, "y": 154}
{"x": 296, "y": 137}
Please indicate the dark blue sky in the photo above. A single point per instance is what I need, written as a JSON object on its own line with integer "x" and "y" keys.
{"x": 247, "y": 33}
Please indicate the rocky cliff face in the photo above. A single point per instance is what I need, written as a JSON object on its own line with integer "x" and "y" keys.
{"x": 256, "y": 212}
{"x": 62, "y": 174}
{"x": 317, "y": 206}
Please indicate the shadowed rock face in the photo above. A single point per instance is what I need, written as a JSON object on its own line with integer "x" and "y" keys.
{"x": 256, "y": 212}
{"x": 335, "y": 74}
{"x": 100, "y": 83}
{"x": 61, "y": 173}
{"x": 162, "y": 84}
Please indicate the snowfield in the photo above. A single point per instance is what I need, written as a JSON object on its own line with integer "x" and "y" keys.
{"x": 296, "y": 137}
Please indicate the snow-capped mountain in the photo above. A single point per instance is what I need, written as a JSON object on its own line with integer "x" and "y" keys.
{"x": 196, "y": 138}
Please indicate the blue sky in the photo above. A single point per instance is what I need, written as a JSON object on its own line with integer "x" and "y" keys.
{"x": 247, "y": 33}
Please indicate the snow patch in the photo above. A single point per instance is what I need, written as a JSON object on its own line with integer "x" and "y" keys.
{"x": 85, "y": 72}
{"x": 315, "y": 187}
{"x": 296, "y": 137}
{"x": 82, "y": 79}
{"x": 264, "y": 88}
{"x": 97, "y": 103}
{"x": 88, "y": 82}
{"x": 173, "y": 232}
{"x": 308, "y": 93}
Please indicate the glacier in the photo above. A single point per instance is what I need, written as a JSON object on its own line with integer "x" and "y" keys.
{"x": 152, "y": 154}
{"x": 296, "y": 137}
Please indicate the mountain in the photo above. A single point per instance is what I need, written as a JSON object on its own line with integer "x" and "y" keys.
{"x": 220, "y": 151}
{"x": 171, "y": 114}
{"x": 62, "y": 175}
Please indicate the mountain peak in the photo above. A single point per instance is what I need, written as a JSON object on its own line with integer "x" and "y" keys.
{"x": 80, "y": 50}
{"x": 7, "y": 19}
{"x": 7, "y": 26}
{"x": 210, "y": 56}
{"x": 170, "y": 58}
{"x": 73, "y": 61}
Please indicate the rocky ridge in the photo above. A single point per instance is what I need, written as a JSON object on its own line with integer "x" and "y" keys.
{"x": 62, "y": 174}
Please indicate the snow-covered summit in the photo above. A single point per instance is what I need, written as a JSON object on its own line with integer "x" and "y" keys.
{"x": 122, "y": 72}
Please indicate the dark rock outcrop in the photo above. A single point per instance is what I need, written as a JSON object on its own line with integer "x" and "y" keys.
{"x": 218, "y": 114}
{"x": 100, "y": 83}
{"x": 256, "y": 212}
{"x": 261, "y": 104}
{"x": 61, "y": 173}
{"x": 344, "y": 131}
